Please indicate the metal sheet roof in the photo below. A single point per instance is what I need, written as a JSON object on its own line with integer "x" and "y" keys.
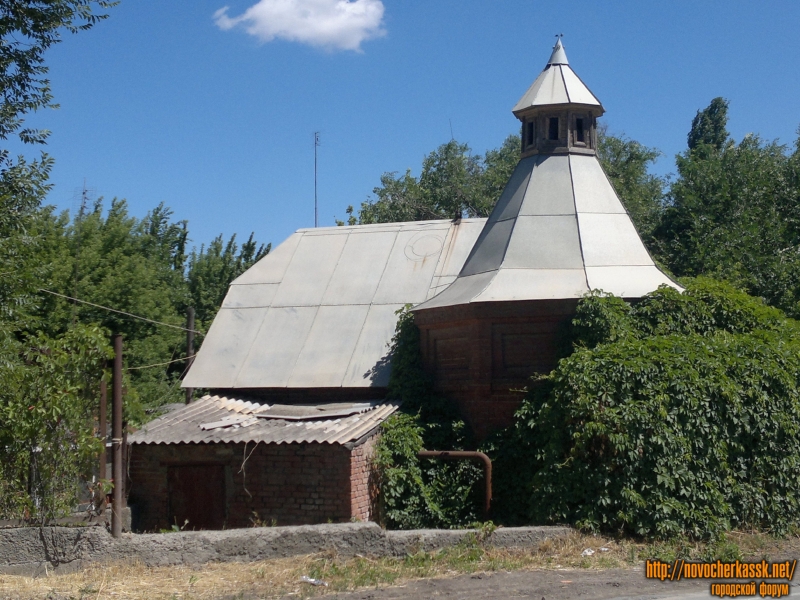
{"x": 568, "y": 221}
{"x": 559, "y": 56}
{"x": 557, "y": 84}
{"x": 217, "y": 419}
{"x": 319, "y": 310}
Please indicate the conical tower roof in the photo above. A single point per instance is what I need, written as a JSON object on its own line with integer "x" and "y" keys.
{"x": 557, "y": 84}
{"x": 558, "y": 231}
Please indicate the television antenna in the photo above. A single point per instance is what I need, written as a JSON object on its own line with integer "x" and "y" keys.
{"x": 316, "y": 145}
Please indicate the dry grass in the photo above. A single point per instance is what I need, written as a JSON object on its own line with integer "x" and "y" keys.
{"x": 281, "y": 577}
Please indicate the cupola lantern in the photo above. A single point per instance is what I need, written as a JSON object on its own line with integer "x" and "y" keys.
{"x": 558, "y": 112}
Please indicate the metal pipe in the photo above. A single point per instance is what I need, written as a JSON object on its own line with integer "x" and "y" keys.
{"x": 189, "y": 348}
{"x": 124, "y": 480}
{"x": 467, "y": 455}
{"x": 116, "y": 437}
{"x": 103, "y": 428}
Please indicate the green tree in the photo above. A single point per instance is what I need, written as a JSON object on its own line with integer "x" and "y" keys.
{"x": 45, "y": 432}
{"x": 131, "y": 265}
{"x": 453, "y": 183}
{"x": 48, "y": 402}
{"x": 678, "y": 415}
{"x": 732, "y": 212}
{"x": 138, "y": 266}
{"x": 27, "y": 30}
{"x": 709, "y": 126}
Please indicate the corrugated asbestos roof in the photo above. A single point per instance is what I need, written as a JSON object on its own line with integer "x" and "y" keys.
{"x": 216, "y": 419}
{"x": 319, "y": 310}
{"x": 557, "y": 84}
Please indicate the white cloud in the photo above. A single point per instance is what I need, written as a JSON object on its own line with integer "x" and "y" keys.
{"x": 330, "y": 24}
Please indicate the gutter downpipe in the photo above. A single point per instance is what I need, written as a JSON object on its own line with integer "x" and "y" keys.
{"x": 467, "y": 455}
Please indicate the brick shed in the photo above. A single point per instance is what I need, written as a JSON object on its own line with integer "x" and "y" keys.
{"x": 225, "y": 463}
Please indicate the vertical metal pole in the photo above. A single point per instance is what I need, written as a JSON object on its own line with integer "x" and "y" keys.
{"x": 316, "y": 145}
{"x": 116, "y": 437}
{"x": 103, "y": 427}
{"x": 124, "y": 480}
{"x": 189, "y": 348}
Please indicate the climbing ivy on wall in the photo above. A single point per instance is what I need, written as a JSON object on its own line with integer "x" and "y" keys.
{"x": 678, "y": 415}
{"x": 416, "y": 492}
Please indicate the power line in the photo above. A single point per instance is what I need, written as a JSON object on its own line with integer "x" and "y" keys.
{"x": 120, "y": 312}
{"x": 169, "y": 362}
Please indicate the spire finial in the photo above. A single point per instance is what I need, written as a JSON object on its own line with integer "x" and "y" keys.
{"x": 558, "y": 57}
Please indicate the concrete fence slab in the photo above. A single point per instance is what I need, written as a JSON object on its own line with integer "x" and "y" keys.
{"x": 33, "y": 551}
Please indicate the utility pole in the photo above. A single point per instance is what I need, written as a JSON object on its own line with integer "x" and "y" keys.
{"x": 189, "y": 348}
{"x": 316, "y": 145}
{"x": 116, "y": 438}
{"x": 103, "y": 428}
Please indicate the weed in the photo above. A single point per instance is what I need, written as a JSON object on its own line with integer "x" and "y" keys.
{"x": 257, "y": 521}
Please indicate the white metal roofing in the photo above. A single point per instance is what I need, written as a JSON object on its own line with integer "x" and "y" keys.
{"x": 558, "y": 231}
{"x": 216, "y": 419}
{"x": 319, "y": 310}
{"x": 557, "y": 84}
{"x": 559, "y": 56}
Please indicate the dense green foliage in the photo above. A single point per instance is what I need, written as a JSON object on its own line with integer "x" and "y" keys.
{"x": 677, "y": 415}
{"x": 417, "y": 493}
{"x": 48, "y": 404}
{"x": 46, "y": 433}
{"x": 53, "y": 351}
{"x": 139, "y": 266}
{"x": 732, "y": 212}
{"x": 454, "y": 182}
{"x": 709, "y": 126}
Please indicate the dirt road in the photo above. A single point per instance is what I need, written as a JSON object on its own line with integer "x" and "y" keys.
{"x": 613, "y": 584}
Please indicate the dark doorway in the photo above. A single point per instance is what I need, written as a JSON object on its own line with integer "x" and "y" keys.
{"x": 197, "y": 494}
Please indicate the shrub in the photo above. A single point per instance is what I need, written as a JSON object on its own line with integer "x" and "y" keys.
{"x": 418, "y": 492}
{"x": 677, "y": 415}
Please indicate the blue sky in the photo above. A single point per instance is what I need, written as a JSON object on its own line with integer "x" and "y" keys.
{"x": 213, "y": 112}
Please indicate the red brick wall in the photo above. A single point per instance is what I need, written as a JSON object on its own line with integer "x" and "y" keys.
{"x": 289, "y": 483}
{"x": 482, "y": 355}
{"x": 363, "y": 486}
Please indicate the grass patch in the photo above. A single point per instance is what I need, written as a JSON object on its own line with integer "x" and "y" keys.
{"x": 281, "y": 577}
